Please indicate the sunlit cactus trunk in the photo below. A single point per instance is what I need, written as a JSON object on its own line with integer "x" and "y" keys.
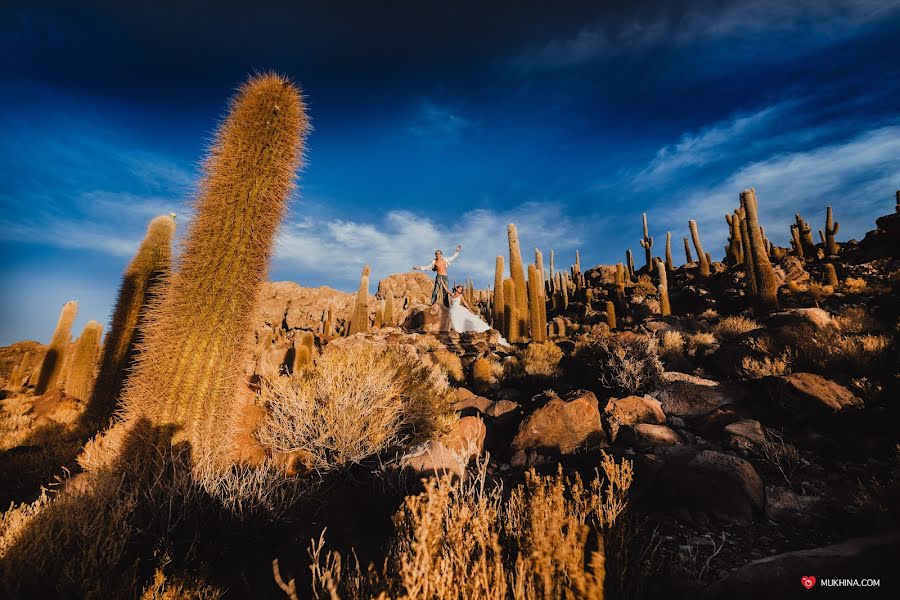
{"x": 831, "y": 229}
{"x": 143, "y": 279}
{"x": 537, "y": 315}
{"x": 610, "y": 314}
{"x": 664, "y": 307}
{"x": 510, "y": 306}
{"x": 701, "y": 255}
{"x": 52, "y": 365}
{"x": 83, "y": 365}
{"x": 687, "y": 252}
{"x": 766, "y": 284}
{"x": 359, "y": 321}
{"x": 647, "y": 244}
{"x": 670, "y": 264}
{"x": 199, "y": 334}
{"x": 499, "y": 298}
{"x": 831, "y": 277}
{"x": 517, "y": 273}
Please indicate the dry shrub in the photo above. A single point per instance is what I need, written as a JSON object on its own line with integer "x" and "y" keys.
{"x": 14, "y": 521}
{"x": 645, "y": 287}
{"x": 757, "y": 367}
{"x": 855, "y": 285}
{"x": 855, "y": 319}
{"x": 708, "y": 315}
{"x": 461, "y": 539}
{"x": 485, "y": 373}
{"x": 699, "y": 344}
{"x": 353, "y": 404}
{"x": 622, "y": 364}
{"x": 542, "y": 359}
{"x": 451, "y": 363}
{"x": 781, "y": 455}
{"x": 827, "y": 350}
{"x": 731, "y": 328}
{"x": 671, "y": 345}
{"x": 170, "y": 587}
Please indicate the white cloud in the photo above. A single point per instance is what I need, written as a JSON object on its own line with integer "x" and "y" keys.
{"x": 436, "y": 123}
{"x": 335, "y": 250}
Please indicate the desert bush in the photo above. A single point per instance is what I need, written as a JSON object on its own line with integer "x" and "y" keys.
{"x": 621, "y": 364}
{"x": 169, "y": 587}
{"x": 354, "y": 404}
{"x": 781, "y": 455}
{"x": 542, "y": 359}
{"x": 752, "y": 367}
{"x": 462, "y": 539}
{"x": 855, "y": 285}
{"x": 671, "y": 345}
{"x": 731, "y": 328}
{"x": 485, "y": 373}
{"x": 645, "y": 287}
{"x": 698, "y": 344}
{"x": 827, "y": 350}
{"x": 855, "y": 319}
{"x": 451, "y": 363}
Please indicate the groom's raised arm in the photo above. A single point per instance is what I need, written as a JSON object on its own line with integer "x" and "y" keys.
{"x": 452, "y": 257}
{"x": 427, "y": 267}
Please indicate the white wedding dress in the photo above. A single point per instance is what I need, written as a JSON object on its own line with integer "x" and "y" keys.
{"x": 462, "y": 319}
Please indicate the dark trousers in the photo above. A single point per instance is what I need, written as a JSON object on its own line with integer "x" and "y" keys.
{"x": 439, "y": 282}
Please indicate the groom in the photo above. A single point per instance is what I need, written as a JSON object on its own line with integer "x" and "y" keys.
{"x": 441, "y": 282}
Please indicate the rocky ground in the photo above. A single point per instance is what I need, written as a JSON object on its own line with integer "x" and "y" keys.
{"x": 765, "y": 448}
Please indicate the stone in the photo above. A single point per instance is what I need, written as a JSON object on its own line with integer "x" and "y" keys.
{"x": 53, "y": 406}
{"x": 801, "y": 397}
{"x": 501, "y": 407}
{"x": 686, "y": 395}
{"x": 784, "y": 506}
{"x": 647, "y": 435}
{"x": 630, "y": 411}
{"x": 561, "y": 426}
{"x": 744, "y": 434}
{"x": 434, "y": 318}
{"x": 816, "y": 317}
{"x": 451, "y": 454}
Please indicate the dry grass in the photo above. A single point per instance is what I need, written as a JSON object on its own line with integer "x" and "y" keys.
{"x": 698, "y": 344}
{"x": 626, "y": 365}
{"x": 855, "y": 285}
{"x": 671, "y": 345}
{"x": 731, "y": 328}
{"x": 855, "y": 319}
{"x": 451, "y": 363}
{"x": 542, "y": 359}
{"x": 485, "y": 373}
{"x": 781, "y": 455}
{"x": 645, "y": 287}
{"x": 828, "y": 350}
{"x": 756, "y": 368}
{"x": 168, "y": 587}
{"x": 461, "y": 539}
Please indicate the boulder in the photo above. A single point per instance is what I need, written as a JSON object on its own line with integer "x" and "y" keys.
{"x": 712, "y": 424}
{"x": 434, "y": 318}
{"x": 451, "y": 454}
{"x": 744, "y": 434}
{"x": 801, "y": 397}
{"x": 784, "y": 506}
{"x": 561, "y": 426}
{"x": 416, "y": 286}
{"x": 630, "y": 411}
{"x": 779, "y": 576}
{"x": 647, "y": 435}
{"x": 686, "y": 395}
{"x": 500, "y": 407}
{"x": 707, "y": 481}
{"x": 298, "y": 307}
{"x": 816, "y": 317}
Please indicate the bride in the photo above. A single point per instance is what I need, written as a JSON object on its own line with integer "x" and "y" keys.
{"x": 462, "y": 318}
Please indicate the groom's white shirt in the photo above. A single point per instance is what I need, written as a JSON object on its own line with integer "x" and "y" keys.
{"x": 430, "y": 265}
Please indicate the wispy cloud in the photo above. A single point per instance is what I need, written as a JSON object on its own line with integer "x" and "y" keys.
{"x": 437, "y": 124}
{"x": 335, "y": 250}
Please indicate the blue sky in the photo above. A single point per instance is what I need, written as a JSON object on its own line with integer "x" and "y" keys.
{"x": 436, "y": 124}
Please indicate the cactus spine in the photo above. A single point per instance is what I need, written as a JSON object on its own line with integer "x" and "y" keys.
{"x": 670, "y": 264}
{"x": 536, "y": 306}
{"x": 766, "y": 284}
{"x": 359, "y": 322}
{"x": 197, "y": 337}
{"x": 510, "y": 318}
{"x": 647, "y": 244}
{"x": 831, "y": 229}
{"x": 82, "y": 368}
{"x": 701, "y": 255}
{"x": 517, "y": 273}
{"x": 52, "y": 365}
{"x": 664, "y": 307}
{"x": 499, "y": 298}
{"x": 141, "y": 284}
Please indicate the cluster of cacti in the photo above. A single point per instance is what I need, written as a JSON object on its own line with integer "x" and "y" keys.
{"x": 83, "y": 364}
{"x": 303, "y": 347}
{"x": 827, "y": 236}
{"x": 197, "y": 337}
{"x": 802, "y": 238}
{"x": 735, "y": 248}
{"x": 765, "y": 285}
{"x": 517, "y": 273}
{"x": 647, "y": 244}
{"x": 359, "y": 320}
{"x": 52, "y": 365}
{"x": 140, "y": 285}
{"x": 702, "y": 257}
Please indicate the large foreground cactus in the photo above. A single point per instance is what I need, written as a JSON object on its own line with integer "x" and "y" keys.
{"x": 198, "y": 336}
{"x": 52, "y": 365}
{"x": 141, "y": 283}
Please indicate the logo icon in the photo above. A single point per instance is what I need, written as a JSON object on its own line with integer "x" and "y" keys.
{"x": 808, "y": 581}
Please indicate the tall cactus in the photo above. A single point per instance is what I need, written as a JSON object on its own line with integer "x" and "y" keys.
{"x": 796, "y": 242}
{"x": 52, "y": 365}
{"x": 806, "y": 237}
{"x": 198, "y": 335}
{"x": 510, "y": 306}
{"x": 748, "y": 256}
{"x": 142, "y": 282}
{"x": 83, "y": 367}
{"x": 620, "y": 283}
{"x": 629, "y": 262}
{"x": 766, "y": 284}
{"x": 687, "y": 252}
{"x": 701, "y": 255}
{"x": 552, "y": 274}
{"x": 359, "y": 322}
{"x": 670, "y": 264}
{"x": 610, "y": 314}
{"x": 647, "y": 244}
{"x": 735, "y": 245}
{"x": 499, "y": 298}
{"x": 517, "y": 273}
{"x": 536, "y": 306}
{"x": 389, "y": 319}
{"x": 664, "y": 307}
{"x": 831, "y": 229}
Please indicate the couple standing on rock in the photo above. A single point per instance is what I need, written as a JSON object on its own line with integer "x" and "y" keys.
{"x": 462, "y": 318}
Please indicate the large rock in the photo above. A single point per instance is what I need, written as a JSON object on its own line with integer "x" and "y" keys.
{"x": 451, "y": 454}
{"x": 801, "y": 397}
{"x": 434, "y": 318}
{"x": 561, "y": 426}
{"x": 816, "y": 317}
{"x": 707, "y": 481}
{"x": 630, "y": 411}
{"x": 414, "y": 286}
{"x": 647, "y": 435}
{"x": 685, "y": 395}
{"x": 779, "y": 576}
{"x": 299, "y": 307}
{"x": 744, "y": 434}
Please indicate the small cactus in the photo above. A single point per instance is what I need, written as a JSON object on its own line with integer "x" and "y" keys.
{"x": 831, "y": 277}
{"x": 701, "y": 255}
{"x": 735, "y": 245}
{"x": 687, "y": 252}
{"x": 611, "y": 314}
{"x": 517, "y": 273}
{"x": 83, "y": 366}
{"x": 831, "y": 229}
{"x": 359, "y": 322}
{"x": 647, "y": 244}
{"x": 304, "y": 348}
{"x": 664, "y": 307}
{"x": 52, "y": 365}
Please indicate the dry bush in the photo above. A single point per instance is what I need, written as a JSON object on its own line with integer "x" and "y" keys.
{"x": 855, "y": 285}
{"x": 485, "y": 373}
{"x": 542, "y": 359}
{"x": 671, "y": 345}
{"x": 756, "y": 368}
{"x": 855, "y": 319}
{"x": 451, "y": 363}
{"x": 780, "y": 454}
{"x": 731, "y": 328}
{"x": 627, "y": 365}
{"x": 699, "y": 344}
{"x": 460, "y": 539}
{"x": 353, "y": 404}
{"x": 170, "y": 587}
{"x": 708, "y": 315}
{"x": 14, "y": 521}
{"x": 827, "y": 350}
{"x": 645, "y": 287}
